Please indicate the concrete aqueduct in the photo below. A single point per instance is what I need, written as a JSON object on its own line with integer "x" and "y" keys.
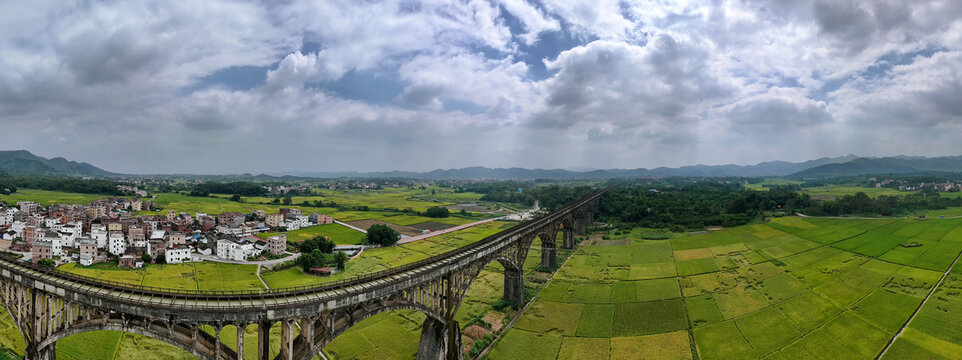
{"x": 48, "y": 305}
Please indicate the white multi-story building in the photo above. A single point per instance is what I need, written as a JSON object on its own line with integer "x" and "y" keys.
{"x": 18, "y": 226}
{"x": 303, "y": 220}
{"x": 56, "y": 243}
{"x": 291, "y": 224}
{"x": 52, "y": 223}
{"x": 177, "y": 255}
{"x": 117, "y": 244}
{"x": 99, "y": 233}
{"x": 232, "y": 250}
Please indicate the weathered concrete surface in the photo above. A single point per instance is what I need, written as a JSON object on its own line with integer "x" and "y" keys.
{"x": 514, "y": 286}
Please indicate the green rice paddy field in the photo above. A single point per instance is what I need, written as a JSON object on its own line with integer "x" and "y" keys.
{"x": 790, "y": 289}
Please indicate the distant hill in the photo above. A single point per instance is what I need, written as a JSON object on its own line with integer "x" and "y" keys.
{"x": 23, "y": 163}
{"x": 885, "y": 165}
{"x": 772, "y": 168}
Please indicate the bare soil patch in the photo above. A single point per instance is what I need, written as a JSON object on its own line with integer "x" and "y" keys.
{"x": 431, "y": 225}
{"x": 496, "y": 319}
{"x": 404, "y": 230}
{"x": 622, "y": 242}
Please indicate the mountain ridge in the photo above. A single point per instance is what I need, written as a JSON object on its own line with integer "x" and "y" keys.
{"x": 25, "y": 163}
{"x": 883, "y": 165}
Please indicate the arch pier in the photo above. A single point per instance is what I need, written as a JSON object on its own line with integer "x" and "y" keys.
{"x": 48, "y": 305}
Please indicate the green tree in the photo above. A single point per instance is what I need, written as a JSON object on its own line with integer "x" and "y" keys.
{"x": 340, "y": 259}
{"x": 437, "y": 212}
{"x": 276, "y": 201}
{"x": 287, "y": 200}
{"x": 235, "y": 197}
{"x": 319, "y": 242}
{"x": 161, "y": 259}
{"x": 383, "y": 235}
{"x": 146, "y": 258}
{"x": 47, "y": 263}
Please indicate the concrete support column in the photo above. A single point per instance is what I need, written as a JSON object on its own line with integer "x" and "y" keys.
{"x": 241, "y": 329}
{"x": 193, "y": 336}
{"x": 581, "y": 228}
{"x": 440, "y": 341}
{"x": 217, "y": 341}
{"x": 307, "y": 333}
{"x": 287, "y": 339}
{"x": 568, "y": 238}
{"x": 32, "y": 352}
{"x": 454, "y": 351}
{"x": 48, "y": 353}
{"x": 591, "y": 218}
{"x": 514, "y": 286}
{"x": 264, "y": 340}
{"x": 549, "y": 257}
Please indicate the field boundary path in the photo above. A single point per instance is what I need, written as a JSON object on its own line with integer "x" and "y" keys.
{"x": 262, "y": 279}
{"x": 271, "y": 262}
{"x": 919, "y": 308}
{"x": 510, "y": 324}
{"x": 445, "y": 231}
{"x": 350, "y": 226}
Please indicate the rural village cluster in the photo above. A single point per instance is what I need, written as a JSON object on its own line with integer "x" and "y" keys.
{"x": 108, "y": 228}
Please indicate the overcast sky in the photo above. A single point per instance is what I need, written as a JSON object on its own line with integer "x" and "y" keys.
{"x": 231, "y": 87}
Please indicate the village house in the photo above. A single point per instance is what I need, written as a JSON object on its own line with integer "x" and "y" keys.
{"x": 231, "y": 219}
{"x": 177, "y": 254}
{"x": 234, "y": 250}
{"x": 176, "y": 238}
{"x": 117, "y": 244}
{"x": 277, "y": 244}
{"x": 129, "y": 261}
{"x": 274, "y": 220}
{"x": 41, "y": 250}
{"x": 86, "y": 259}
{"x": 27, "y": 207}
{"x": 320, "y": 219}
{"x": 88, "y": 251}
{"x": 98, "y": 232}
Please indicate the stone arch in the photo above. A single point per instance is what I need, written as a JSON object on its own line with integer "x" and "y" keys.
{"x": 509, "y": 268}
{"x": 323, "y": 337}
{"x": 566, "y": 224}
{"x": 165, "y": 335}
{"x": 353, "y": 317}
{"x": 17, "y": 322}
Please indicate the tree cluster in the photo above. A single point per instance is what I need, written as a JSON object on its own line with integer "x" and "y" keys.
{"x": 88, "y": 186}
{"x": 318, "y": 252}
{"x": 696, "y": 204}
{"x": 862, "y": 204}
{"x": 437, "y": 212}
{"x": 243, "y": 188}
{"x": 320, "y": 242}
{"x": 380, "y": 234}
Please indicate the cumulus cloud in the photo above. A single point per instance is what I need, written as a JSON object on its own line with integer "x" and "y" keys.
{"x": 383, "y": 84}
{"x": 661, "y": 85}
{"x": 778, "y": 110}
